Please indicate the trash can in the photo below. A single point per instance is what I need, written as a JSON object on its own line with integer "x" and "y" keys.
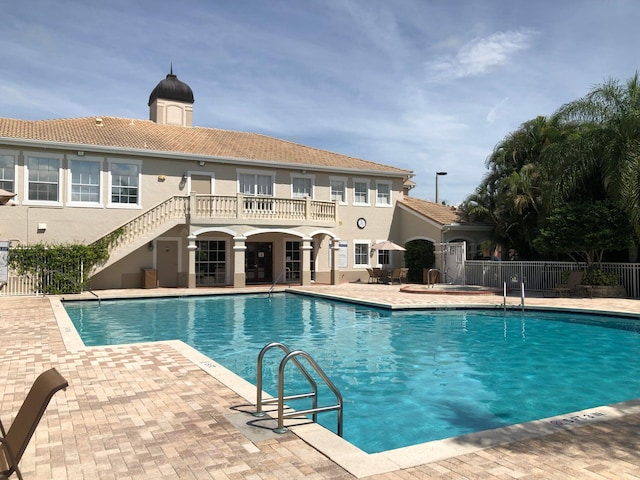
{"x": 149, "y": 278}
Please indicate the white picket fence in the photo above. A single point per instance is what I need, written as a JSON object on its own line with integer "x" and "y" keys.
{"x": 541, "y": 276}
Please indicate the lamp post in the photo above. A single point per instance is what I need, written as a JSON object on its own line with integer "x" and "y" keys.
{"x": 437, "y": 175}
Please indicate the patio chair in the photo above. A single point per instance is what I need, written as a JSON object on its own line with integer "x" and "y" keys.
{"x": 372, "y": 276}
{"x": 399, "y": 275}
{"x": 574, "y": 279}
{"x": 14, "y": 441}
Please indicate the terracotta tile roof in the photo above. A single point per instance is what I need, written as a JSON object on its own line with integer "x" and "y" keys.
{"x": 442, "y": 214}
{"x": 147, "y": 135}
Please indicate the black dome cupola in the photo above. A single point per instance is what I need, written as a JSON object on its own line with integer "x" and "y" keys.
{"x": 172, "y": 89}
{"x": 171, "y": 102}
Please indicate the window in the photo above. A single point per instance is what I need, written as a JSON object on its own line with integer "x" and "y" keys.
{"x": 8, "y": 173}
{"x": 293, "y": 261}
{"x": 43, "y": 179}
{"x": 383, "y": 194}
{"x": 338, "y": 190}
{"x": 255, "y": 184}
{"x": 360, "y": 192}
{"x": 125, "y": 184}
{"x": 361, "y": 254}
{"x": 383, "y": 257}
{"x": 85, "y": 181}
{"x": 301, "y": 187}
{"x": 211, "y": 263}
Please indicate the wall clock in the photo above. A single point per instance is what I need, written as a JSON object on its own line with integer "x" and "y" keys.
{"x": 361, "y": 222}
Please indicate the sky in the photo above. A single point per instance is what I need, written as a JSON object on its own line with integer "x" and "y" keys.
{"x": 426, "y": 85}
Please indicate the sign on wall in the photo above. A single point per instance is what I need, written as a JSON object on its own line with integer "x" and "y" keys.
{"x": 342, "y": 255}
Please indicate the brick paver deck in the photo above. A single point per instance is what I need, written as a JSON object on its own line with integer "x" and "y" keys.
{"x": 148, "y": 411}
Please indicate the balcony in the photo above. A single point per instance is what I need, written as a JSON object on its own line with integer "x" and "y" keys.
{"x": 242, "y": 208}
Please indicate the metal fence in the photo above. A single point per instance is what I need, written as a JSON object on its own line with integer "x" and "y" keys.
{"x": 537, "y": 276}
{"x": 541, "y": 276}
{"x": 46, "y": 280}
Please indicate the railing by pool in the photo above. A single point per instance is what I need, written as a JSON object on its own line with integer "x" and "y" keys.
{"x": 541, "y": 276}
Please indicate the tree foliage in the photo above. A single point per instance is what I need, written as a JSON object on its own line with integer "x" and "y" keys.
{"x": 583, "y": 230}
{"x": 419, "y": 255}
{"x": 60, "y": 269}
{"x": 587, "y": 151}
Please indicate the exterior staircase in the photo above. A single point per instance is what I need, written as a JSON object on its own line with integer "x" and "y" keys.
{"x": 215, "y": 209}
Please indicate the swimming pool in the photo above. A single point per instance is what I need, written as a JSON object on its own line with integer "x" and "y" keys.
{"x": 407, "y": 377}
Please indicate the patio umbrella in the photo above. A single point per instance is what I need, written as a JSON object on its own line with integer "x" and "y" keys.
{"x": 5, "y": 196}
{"x": 387, "y": 245}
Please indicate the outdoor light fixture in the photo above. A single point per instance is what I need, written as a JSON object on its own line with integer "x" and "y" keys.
{"x": 150, "y": 246}
{"x": 437, "y": 175}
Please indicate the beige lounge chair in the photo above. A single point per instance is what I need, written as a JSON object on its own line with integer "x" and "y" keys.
{"x": 399, "y": 275}
{"x": 574, "y": 279}
{"x": 14, "y": 441}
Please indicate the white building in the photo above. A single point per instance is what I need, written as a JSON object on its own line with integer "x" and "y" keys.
{"x": 201, "y": 206}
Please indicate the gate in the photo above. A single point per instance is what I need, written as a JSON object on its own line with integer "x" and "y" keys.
{"x": 453, "y": 257}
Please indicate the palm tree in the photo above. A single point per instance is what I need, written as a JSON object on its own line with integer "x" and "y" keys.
{"x": 514, "y": 193}
{"x": 604, "y": 154}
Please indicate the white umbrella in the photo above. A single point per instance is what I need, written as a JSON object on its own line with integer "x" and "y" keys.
{"x": 387, "y": 245}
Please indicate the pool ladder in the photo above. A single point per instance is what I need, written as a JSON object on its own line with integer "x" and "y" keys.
{"x": 504, "y": 296}
{"x": 314, "y": 410}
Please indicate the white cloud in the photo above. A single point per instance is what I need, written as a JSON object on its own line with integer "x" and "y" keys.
{"x": 481, "y": 54}
{"x": 493, "y": 113}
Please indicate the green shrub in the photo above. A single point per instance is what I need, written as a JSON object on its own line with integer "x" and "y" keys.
{"x": 595, "y": 276}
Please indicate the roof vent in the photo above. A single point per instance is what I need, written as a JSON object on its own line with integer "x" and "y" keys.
{"x": 98, "y": 122}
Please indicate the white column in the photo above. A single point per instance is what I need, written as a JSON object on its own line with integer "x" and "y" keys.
{"x": 191, "y": 248}
{"x": 306, "y": 261}
{"x": 239, "y": 275}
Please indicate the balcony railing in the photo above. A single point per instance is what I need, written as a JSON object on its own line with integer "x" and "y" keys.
{"x": 257, "y": 208}
{"x": 217, "y": 208}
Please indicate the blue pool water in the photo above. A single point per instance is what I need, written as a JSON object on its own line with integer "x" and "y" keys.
{"x": 407, "y": 377}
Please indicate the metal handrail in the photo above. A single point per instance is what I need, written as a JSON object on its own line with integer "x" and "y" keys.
{"x": 504, "y": 296}
{"x": 281, "y": 415}
{"x": 429, "y": 276}
{"x": 281, "y": 398}
{"x": 273, "y": 285}
{"x": 259, "y": 401}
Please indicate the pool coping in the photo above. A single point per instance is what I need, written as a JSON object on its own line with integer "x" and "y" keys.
{"x": 348, "y": 456}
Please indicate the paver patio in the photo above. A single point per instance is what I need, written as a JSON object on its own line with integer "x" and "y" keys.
{"x": 150, "y": 411}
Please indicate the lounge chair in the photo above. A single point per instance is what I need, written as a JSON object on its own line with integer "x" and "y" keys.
{"x": 14, "y": 441}
{"x": 568, "y": 289}
{"x": 399, "y": 275}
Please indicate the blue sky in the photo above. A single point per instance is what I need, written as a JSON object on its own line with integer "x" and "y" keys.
{"x": 427, "y": 85}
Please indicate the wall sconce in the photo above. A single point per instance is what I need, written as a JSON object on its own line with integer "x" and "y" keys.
{"x": 303, "y": 172}
{"x": 162, "y": 178}
{"x": 183, "y": 180}
{"x": 201, "y": 163}
{"x": 150, "y": 246}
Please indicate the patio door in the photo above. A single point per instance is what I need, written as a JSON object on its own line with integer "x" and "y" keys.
{"x": 259, "y": 262}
